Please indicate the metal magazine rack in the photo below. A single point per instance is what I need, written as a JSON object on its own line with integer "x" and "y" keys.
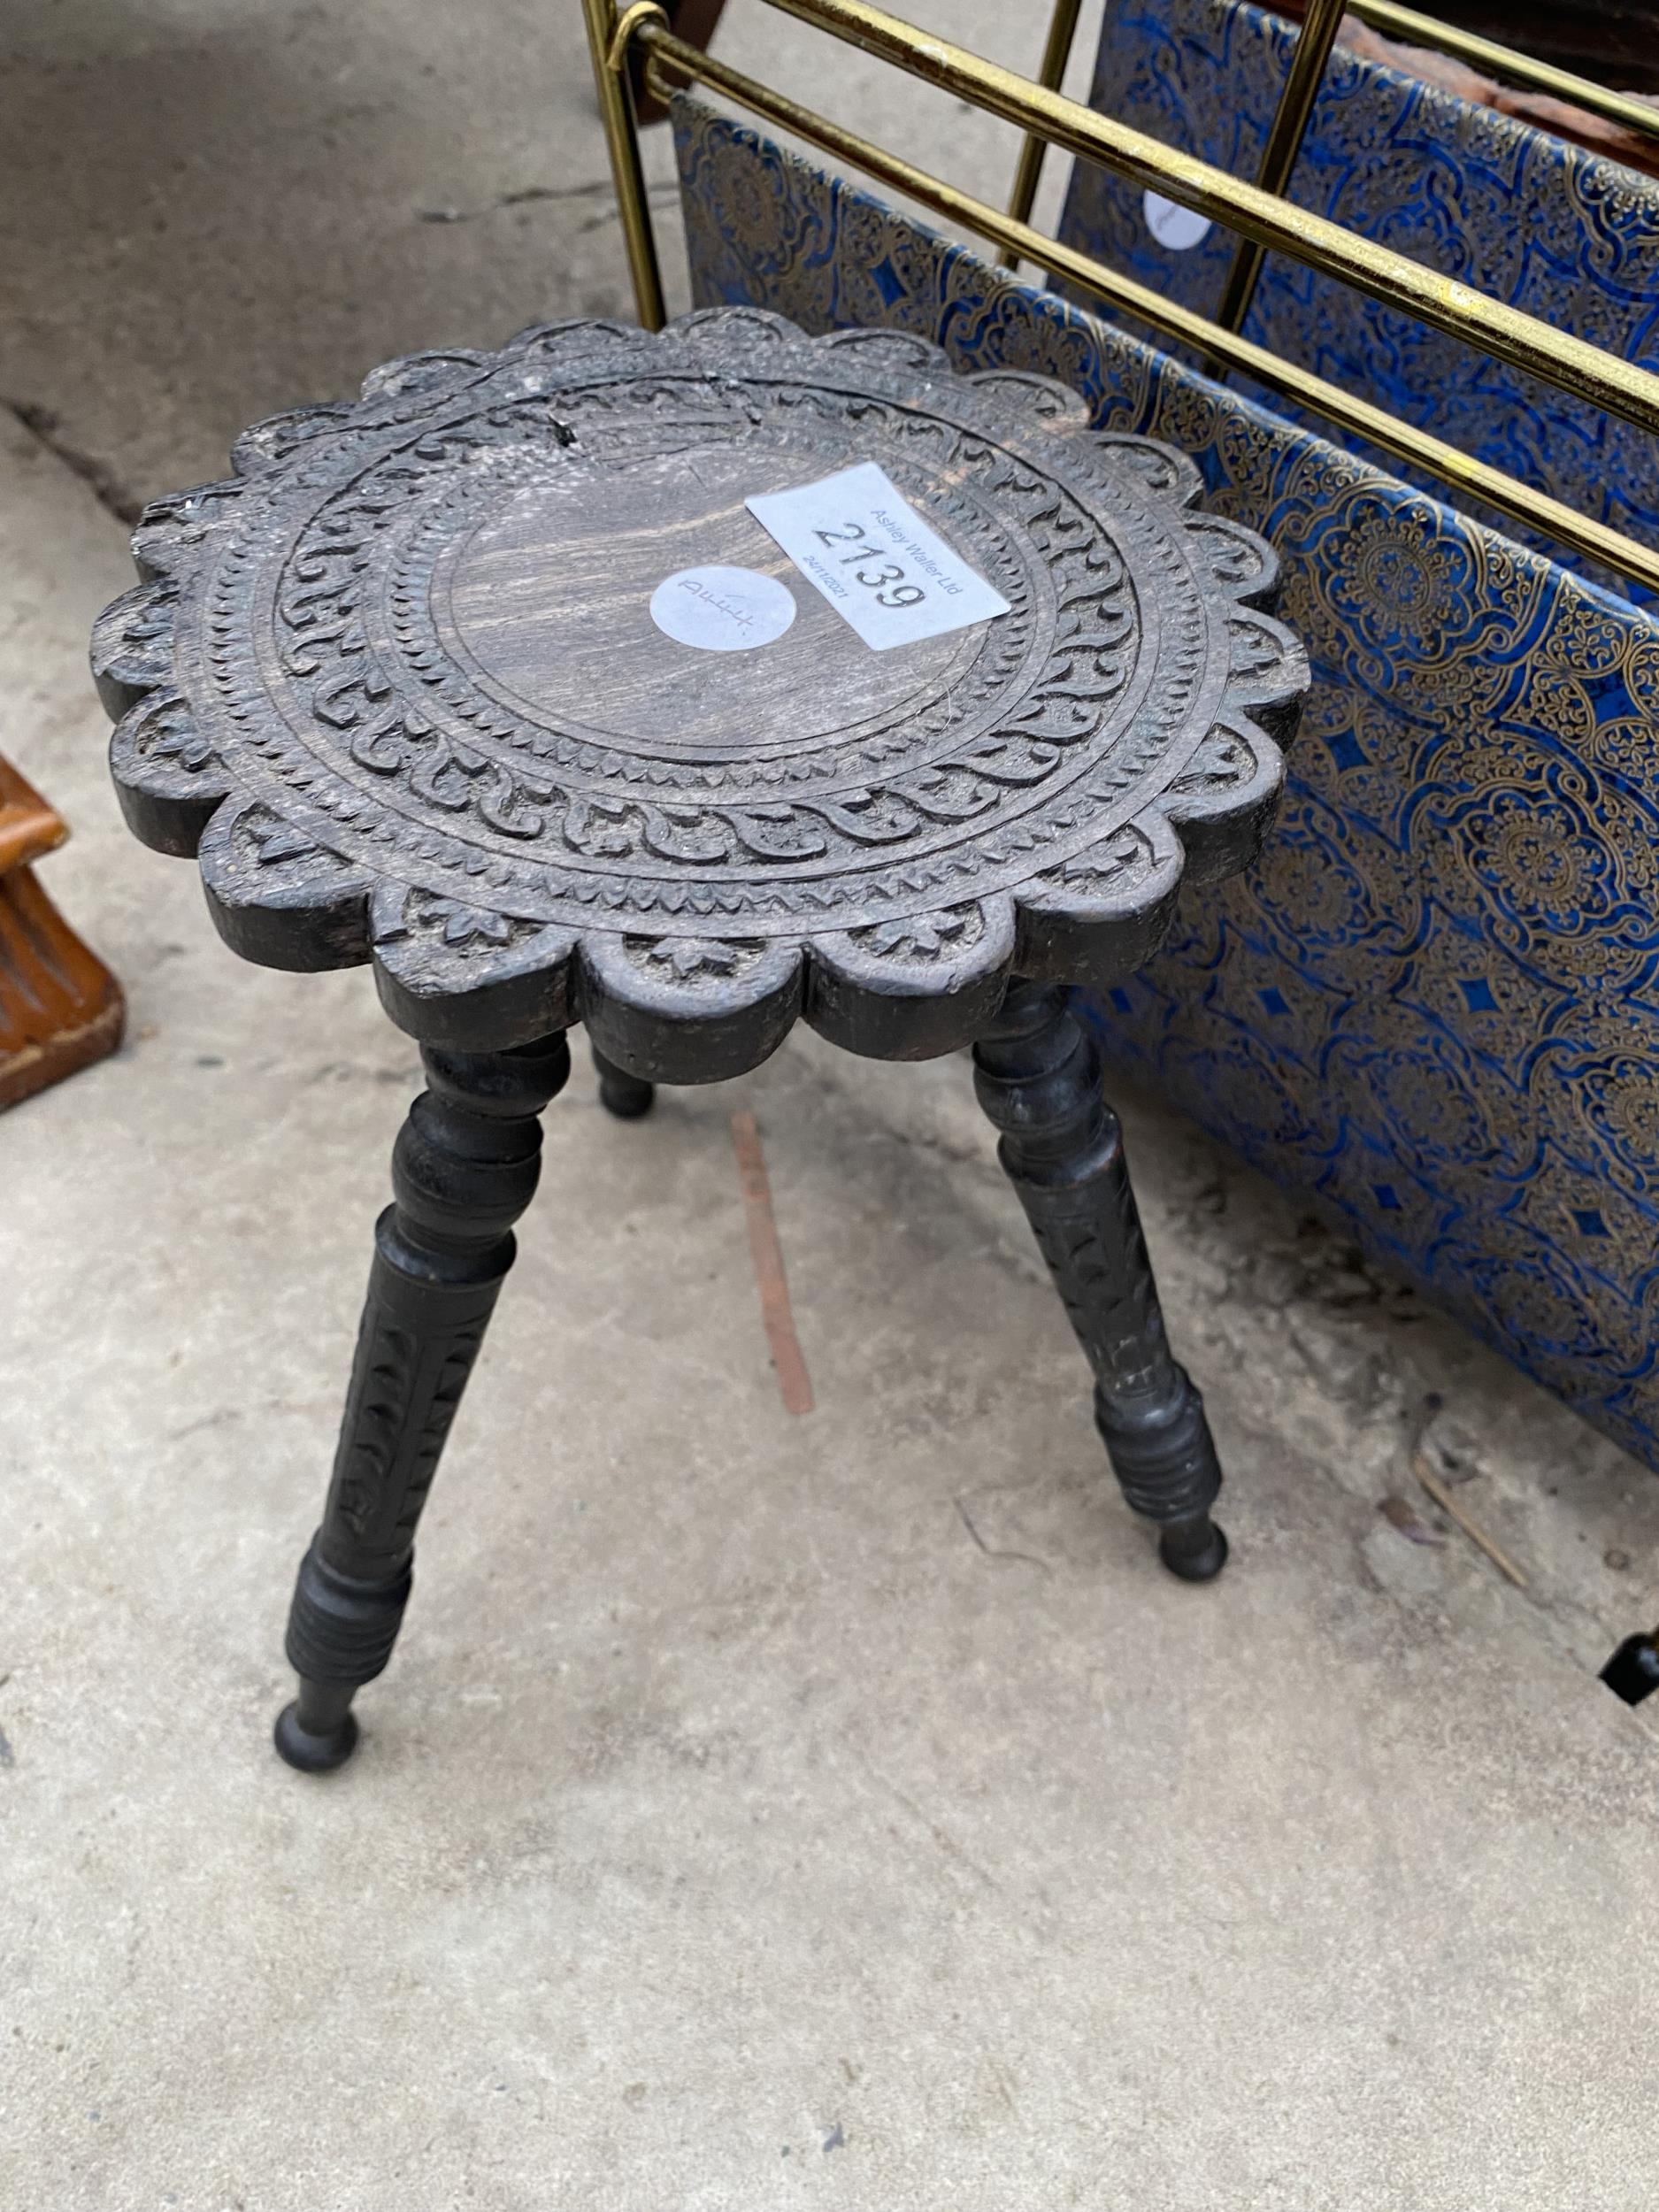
{"x": 1260, "y": 215}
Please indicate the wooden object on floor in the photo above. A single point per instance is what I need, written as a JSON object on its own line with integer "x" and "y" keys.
{"x": 420, "y": 688}
{"x": 60, "y": 1007}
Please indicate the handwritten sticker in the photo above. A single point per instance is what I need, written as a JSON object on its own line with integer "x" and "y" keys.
{"x": 881, "y": 567}
{"x": 722, "y": 610}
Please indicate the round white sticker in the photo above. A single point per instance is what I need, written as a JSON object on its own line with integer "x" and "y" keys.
{"x": 722, "y": 610}
{"x": 1173, "y": 226}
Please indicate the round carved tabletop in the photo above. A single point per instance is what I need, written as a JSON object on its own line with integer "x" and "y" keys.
{"x": 400, "y": 684}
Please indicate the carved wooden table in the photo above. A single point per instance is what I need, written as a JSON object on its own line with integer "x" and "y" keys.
{"x": 398, "y": 684}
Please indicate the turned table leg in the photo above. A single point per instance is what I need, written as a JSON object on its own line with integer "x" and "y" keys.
{"x": 624, "y": 1095}
{"x": 1038, "y": 1077}
{"x": 464, "y": 1169}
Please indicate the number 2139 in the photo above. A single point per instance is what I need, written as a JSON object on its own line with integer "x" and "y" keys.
{"x": 887, "y": 583}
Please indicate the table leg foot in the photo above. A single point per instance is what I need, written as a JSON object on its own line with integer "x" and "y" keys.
{"x": 318, "y": 1732}
{"x": 1195, "y": 1550}
{"x": 624, "y": 1095}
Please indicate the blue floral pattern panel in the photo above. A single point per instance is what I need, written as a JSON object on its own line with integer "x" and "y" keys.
{"x": 1563, "y": 234}
{"x": 1433, "y": 1004}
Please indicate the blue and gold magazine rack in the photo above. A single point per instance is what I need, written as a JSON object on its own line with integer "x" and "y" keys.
{"x": 1434, "y": 1005}
{"x": 1434, "y": 1002}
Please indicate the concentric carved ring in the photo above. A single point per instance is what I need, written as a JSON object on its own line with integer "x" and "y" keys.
{"x": 397, "y": 683}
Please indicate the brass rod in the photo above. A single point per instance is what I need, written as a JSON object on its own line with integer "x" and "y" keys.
{"x": 622, "y": 142}
{"x": 1291, "y": 118}
{"x": 1503, "y": 61}
{"x": 1050, "y": 74}
{"x": 683, "y": 64}
{"x": 1556, "y": 357}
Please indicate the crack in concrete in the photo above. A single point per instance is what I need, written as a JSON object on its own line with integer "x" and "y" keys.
{"x": 106, "y": 487}
{"x": 1026, "y": 1558}
{"x": 526, "y": 195}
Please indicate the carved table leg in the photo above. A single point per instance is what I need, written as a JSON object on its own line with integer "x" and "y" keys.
{"x": 464, "y": 1169}
{"x": 1038, "y": 1076}
{"x": 624, "y": 1095}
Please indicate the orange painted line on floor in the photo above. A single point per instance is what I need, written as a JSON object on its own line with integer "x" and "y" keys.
{"x": 793, "y": 1384}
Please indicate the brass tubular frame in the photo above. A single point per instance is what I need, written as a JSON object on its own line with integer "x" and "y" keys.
{"x": 608, "y": 38}
{"x": 1056, "y": 53}
{"x": 1569, "y": 363}
{"x": 673, "y": 65}
{"x": 1291, "y": 118}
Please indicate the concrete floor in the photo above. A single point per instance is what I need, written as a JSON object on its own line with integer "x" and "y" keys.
{"x": 760, "y": 1810}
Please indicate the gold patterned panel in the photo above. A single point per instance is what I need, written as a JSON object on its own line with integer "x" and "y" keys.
{"x": 1433, "y": 1006}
